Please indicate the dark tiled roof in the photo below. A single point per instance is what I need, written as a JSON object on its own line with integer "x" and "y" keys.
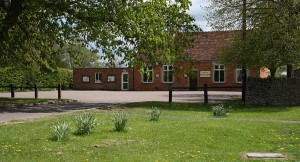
{"x": 208, "y": 44}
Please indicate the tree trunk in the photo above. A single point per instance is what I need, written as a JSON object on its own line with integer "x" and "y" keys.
{"x": 244, "y": 28}
{"x": 273, "y": 71}
{"x": 289, "y": 71}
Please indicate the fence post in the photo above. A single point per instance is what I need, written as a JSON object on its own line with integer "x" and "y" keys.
{"x": 59, "y": 91}
{"x": 170, "y": 94}
{"x": 36, "y": 91}
{"x": 12, "y": 91}
{"x": 205, "y": 94}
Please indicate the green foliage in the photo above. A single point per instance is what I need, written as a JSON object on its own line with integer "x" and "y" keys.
{"x": 220, "y": 110}
{"x": 61, "y": 131}
{"x": 84, "y": 123}
{"x": 28, "y": 77}
{"x": 120, "y": 120}
{"x": 76, "y": 56}
{"x": 154, "y": 113}
{"x": 156, "y": 31}
{"x": 272, "y": 37}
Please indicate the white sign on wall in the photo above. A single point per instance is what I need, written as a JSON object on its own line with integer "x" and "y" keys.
{"x": 85, "y": 79}
{"x": 111, "y": 78}
{"x": 205, "y": 74}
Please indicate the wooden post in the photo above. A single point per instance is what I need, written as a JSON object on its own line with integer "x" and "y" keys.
{"x": 170, "y": 94}
{"x": 12, "y": 91}
{"x": 205, "y": 94}
{"x": 35, "y": 91}
{"x": 59, "y": 91}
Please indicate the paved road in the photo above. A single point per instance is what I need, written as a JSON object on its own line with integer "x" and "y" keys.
{"x": 95, "y": 99}
{"x": 130, "y": 96}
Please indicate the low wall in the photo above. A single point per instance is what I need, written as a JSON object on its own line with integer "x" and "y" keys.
{"x": 273, "y": 92}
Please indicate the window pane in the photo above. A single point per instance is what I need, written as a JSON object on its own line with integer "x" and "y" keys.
{"x": 165, "y": 67}
{"x": 167, "y": 73}
{"x": 125, "y": 85}
{"x": 98, "y": 77}
{"x": 239, "y": 75}
{"x": 147, "y": 76}
{"x": 222, "y": 76}
{"x": 150, "y": 68}
{"x": 217, "y": 79}
{"x": 170, "y": 77}
{"x": 125, "y": 77}
{"x": 165, "y": 76}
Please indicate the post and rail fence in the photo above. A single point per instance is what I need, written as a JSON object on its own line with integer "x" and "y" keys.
{"x": 12, "y": 88}
{"x": 171, "y": 89}
{"x": 204, "y": 88}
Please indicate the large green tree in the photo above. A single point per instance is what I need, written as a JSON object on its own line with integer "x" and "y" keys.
{"x": 76, "y": 56}
{"x": 272, "y": 32}
{"x": 137, "y": 31}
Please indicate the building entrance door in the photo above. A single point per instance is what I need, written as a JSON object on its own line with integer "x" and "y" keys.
{"x": 193, "y": 81}
{"x": 125, "y": 83}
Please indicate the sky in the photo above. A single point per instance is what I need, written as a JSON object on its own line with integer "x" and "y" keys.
{"x": 197, "y": 10}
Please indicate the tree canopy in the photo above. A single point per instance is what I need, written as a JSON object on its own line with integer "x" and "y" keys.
{"x": 138, "y": 31}
{"x": 273, "y": 32}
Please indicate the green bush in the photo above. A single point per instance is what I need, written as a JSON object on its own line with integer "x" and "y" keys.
{"x": 29, "y": 76}
{"x": 61, "y": 131}
{"x": 84, "y": 123}
{"x": 154, "y": 113}
{"x": 120, "y": 120}
{"x": 220, "y": 110}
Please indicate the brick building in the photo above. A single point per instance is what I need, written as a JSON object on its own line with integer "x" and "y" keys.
{"x": 207, "y": 71}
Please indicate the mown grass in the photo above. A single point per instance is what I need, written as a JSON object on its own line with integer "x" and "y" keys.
{"x": 185, "y": 132}
{"x": 23, "y": 100}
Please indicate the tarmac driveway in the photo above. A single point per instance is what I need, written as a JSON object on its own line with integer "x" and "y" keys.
{"x": 130, "y": 96}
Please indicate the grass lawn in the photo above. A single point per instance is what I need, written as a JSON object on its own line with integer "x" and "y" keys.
{"x": 23, "y": 100}
{"x": 185, "y": 132}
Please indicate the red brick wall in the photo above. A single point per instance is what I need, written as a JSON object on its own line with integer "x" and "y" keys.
{"x": 78, "y": 84}
{"x": 136, "y": 83}
{"x": 157, "y": 82}
{"x": 181, "y": 80}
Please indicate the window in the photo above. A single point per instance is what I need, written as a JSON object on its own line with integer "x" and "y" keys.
{"x": 238, "y": 75}
{"x": 167, "y": 74}
{"x": 219, "y": 73}
{"x": 98, "y": 78}
{"x": 85, "y": 79}
{"x": 148, "y": 75}
{"x": 111, "y": 78}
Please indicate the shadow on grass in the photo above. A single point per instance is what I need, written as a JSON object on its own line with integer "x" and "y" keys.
{"x": 235, "y": 105}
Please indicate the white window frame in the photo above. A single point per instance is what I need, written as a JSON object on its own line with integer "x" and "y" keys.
{"x": 219, "y": 69}
{"x": 236, "y": 74}
{"x": 169, "y": 72}
{"x": 98, "y": 79}
{"x": 147, "y": 70}
{"x": 237, "y": 71}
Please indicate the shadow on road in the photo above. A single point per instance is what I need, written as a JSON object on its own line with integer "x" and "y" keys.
{"x": 52, "y": 108}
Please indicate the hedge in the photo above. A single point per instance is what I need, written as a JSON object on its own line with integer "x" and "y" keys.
{"x": 29, "y": 77}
